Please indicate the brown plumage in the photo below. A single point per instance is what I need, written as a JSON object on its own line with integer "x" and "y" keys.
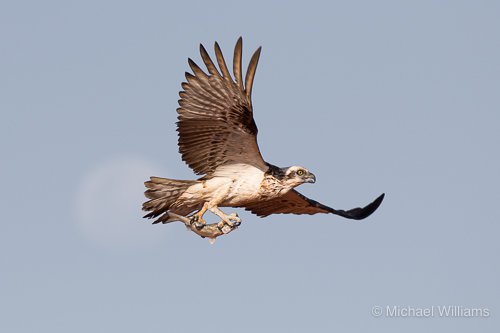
{"x": 295, "y": 203}
{"x": 216, "y": 124}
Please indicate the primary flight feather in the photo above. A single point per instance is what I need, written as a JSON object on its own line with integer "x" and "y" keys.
{"x": 218, "y": 139}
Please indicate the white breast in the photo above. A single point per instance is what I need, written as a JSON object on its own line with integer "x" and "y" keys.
{"x": 245, "y": 182}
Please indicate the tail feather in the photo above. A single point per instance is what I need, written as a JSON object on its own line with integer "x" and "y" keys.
{"x": 163, "y": 193}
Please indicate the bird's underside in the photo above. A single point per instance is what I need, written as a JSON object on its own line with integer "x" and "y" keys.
{"x": 218, "y": 140}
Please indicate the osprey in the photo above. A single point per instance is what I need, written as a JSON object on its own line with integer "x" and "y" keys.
{"x": 218, "y": 139}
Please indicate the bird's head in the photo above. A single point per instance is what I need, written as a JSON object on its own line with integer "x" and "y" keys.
{"x": 297, "y": 175}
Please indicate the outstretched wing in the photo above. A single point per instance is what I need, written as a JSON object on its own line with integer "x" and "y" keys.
{"x": 216, "y": 124}
{"x": 295, "y": 203}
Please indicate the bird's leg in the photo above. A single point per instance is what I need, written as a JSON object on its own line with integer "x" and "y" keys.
{"x": 231, "y": 220}
{"x": 197, "y": 218}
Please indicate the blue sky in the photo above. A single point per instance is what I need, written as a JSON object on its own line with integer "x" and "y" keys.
{"x": 386, "y": 96}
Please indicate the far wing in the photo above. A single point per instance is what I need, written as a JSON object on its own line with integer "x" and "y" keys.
{"x": 216, "y": 125}
{"x": 295, "y": 203}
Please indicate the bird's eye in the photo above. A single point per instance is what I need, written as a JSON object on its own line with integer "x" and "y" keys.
{"x": 300, "y": 172}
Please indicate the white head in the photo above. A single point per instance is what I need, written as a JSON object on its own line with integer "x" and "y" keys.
{"x": 297, "y": 175}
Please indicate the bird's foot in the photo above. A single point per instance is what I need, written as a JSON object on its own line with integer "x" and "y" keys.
{"x": 198, "y": 221}
{"x": 231, "y": 221}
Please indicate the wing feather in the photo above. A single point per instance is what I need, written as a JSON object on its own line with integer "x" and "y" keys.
{"x": 196, "y": 69}
{"x": 208, "y": 62}
{"x": 215, "y": 117}
{"x": 252, "y": 68}
{"x": 295, "y": 203}
{"x": 237, "y": 63}
{"x": 222, "y": 62}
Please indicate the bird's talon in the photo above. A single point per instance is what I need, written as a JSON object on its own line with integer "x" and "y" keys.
{"x": 227, "y": 226}
{"x": 230, "y": 223}
{"x": 234, "y": 218}
{"x": 197, "y": 221}
{"x": 226, "y": 229}
{"x": 198, "y": 225}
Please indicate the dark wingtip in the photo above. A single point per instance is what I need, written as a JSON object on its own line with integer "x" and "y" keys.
{"x": 374, "y": 205}
{"x": 362, "y": 213}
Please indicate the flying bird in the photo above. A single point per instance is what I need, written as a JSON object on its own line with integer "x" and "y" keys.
{"x": 218, "y": 140}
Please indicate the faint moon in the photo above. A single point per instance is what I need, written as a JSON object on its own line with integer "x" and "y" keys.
{"x": 108, "y": 203}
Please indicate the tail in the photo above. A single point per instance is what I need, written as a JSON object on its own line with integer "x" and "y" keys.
{"x": 162, "y": 193}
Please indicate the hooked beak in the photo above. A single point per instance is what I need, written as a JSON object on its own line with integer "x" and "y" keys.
{"x": 311, "y": 178}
